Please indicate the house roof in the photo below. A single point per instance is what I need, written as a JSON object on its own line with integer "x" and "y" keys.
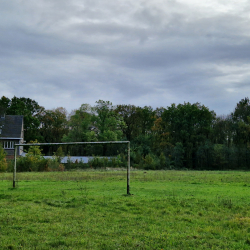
{"x": 11, "y": 126}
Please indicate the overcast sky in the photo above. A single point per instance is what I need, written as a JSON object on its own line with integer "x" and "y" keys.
{"x": 65, "y": 53}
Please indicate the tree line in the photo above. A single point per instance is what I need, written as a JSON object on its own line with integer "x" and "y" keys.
{"x": 179, "y": 136}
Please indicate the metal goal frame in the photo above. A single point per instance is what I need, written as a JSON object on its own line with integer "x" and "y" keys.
{"x": 76, "y": 143}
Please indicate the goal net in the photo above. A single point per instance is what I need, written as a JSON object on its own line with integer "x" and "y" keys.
{"x": 104, "y": 143}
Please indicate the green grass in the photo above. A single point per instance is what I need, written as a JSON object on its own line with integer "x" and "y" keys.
{"x": 90, "y": 210}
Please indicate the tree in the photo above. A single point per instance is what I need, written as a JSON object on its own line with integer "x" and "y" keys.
{"x": 241, "y": 121}
{"x": 241, "y": 132}
{"x": 222, "y": 130}
{"x": 242, "y": 111}
{"x": 81, "y": 130}
{"x": 98, "y": 123}
{"x": 205, "y": 156}
{"x": 159, "y": 112}
{"x": 131, "y": 118}
{"x": 108, "y": 124}
{"x": 178, "y": 155}
{"x": 142, "y": 145}
{"x": 161, "y": 137}
{"x": 147, "y": 118}
{"x": 189, "y": 124}
{"x": 4, "y": 104}
{"x": 31, "y": 111}
{"x": 54, "y": 125}
{"x": 80, "y": 125}
{"x": 139, "y": 121}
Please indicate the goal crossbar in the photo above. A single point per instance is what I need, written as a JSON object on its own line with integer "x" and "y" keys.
{"x": 75, "y": 143}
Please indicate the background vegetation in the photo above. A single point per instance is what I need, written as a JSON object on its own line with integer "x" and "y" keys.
{"x": 183, "y": 136}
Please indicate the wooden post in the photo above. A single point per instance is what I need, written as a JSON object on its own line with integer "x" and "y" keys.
{"x": 14, "y": 171}
{"x": 128, "y": 171}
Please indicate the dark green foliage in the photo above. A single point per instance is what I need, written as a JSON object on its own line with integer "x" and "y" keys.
{"x": 59, "y": 154}
{"x": 222, "y": 130}
{"x": 242, "y": 110}
{"x": 53, "y": 124}
{"x": 3, "y": 162}
{"x": 81, "y": 126}
{"x": 131, "y": 119}
{"x": 34, "y": 161}
{"x": 31, "y": 111}
{"x": 178, "y": 155}
{"x": 139, "y": 121}
{"x": 189, "y": 124}
{"x": 98, "y": 123}
{"x": 4, "y": 104}
{"x": 142, "y": 145}
{"x": 108, "y": 125}
{"x": 164, "y": 162}
{"x": 185, "y": 135}
{"x": 31, "y": 163}
{"x": 97, "y": 162}
{"x": 75, "y": 165}
{"x": 205, "y": 155}
{"x": 103, "y": 162}
{"x": 149, "y": 162}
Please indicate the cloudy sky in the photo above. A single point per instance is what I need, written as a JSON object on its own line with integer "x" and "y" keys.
{"x": 146, "y": 52}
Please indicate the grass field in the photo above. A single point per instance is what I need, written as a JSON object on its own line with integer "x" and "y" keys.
{"x": 90, "y": 210}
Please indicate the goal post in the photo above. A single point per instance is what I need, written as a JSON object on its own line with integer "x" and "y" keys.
{"x": 75, "y": 143}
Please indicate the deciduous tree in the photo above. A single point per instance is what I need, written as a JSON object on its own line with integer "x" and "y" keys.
{"x": 53, "y": 125}
{"x": 109, "y": 125}
{"x": 189, "y": 124}
{"x": 31, "y": 111}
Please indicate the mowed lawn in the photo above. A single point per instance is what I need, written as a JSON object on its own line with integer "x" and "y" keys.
{"x": 90, "y": 210}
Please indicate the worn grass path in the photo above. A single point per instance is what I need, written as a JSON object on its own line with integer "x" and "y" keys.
{"x": 89, "y": 210}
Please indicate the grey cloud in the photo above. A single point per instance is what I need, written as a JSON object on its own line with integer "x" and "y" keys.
{"x": 65, "y": 53}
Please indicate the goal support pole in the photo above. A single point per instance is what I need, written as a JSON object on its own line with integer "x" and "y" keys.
{"x": 14, "y": 171}
{"x": 128, "y": 171}
{"x": 76, "y": 143}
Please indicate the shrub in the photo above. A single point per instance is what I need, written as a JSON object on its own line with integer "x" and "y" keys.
{"x": 31, "y": 161}
{"x": 164, "y": 161}
{"x": 178, "y": 155}
{"x": 34, "y": 161}
{"x": 75, "y": 165}
{"x": 59, "y": 154}
{"x": 10, "y": 165}
{"x": 3, "y": 162}
{"x": 54, "y": 165}
{"x": 27, "y": 163}
{"x": 118, "y": 161}
{"x": 136, "y": 159}
{"x": 149, "y": 162}
{"x": 97, "y": 162}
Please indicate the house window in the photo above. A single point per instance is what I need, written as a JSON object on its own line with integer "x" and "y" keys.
{"x": 8, "y": 144}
